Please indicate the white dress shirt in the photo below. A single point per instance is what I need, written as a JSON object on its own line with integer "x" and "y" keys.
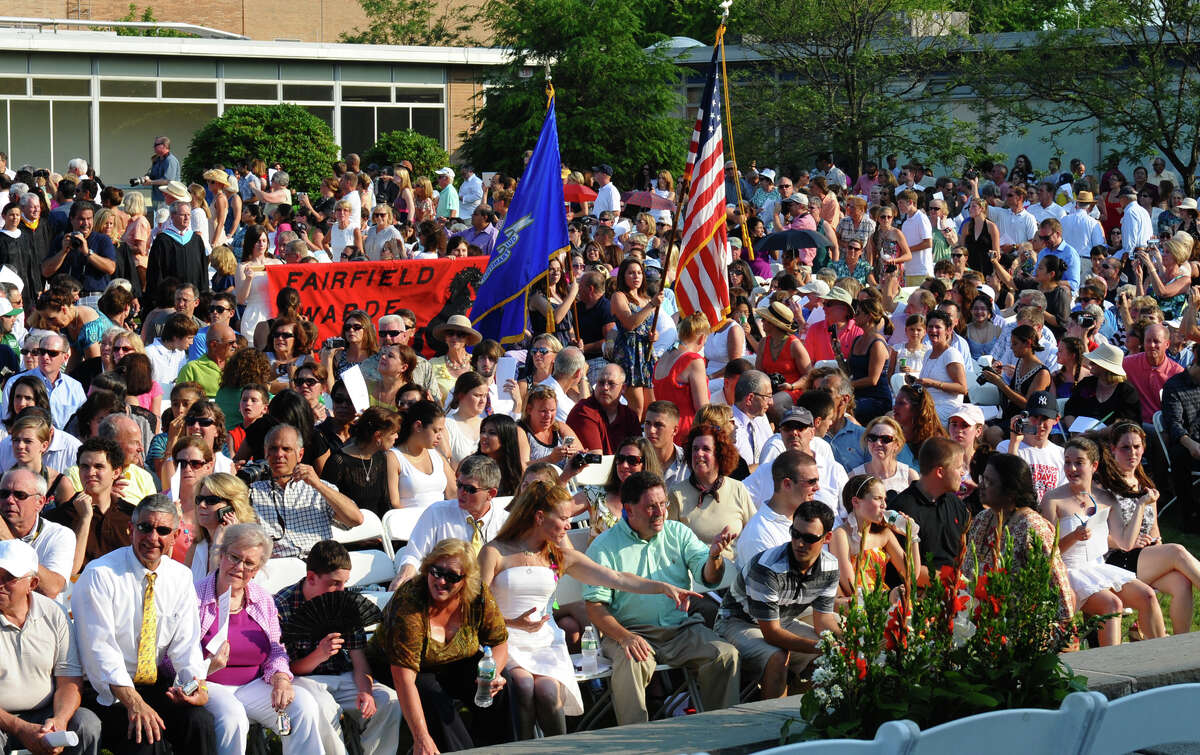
{"x": 442, "y": 520}
{"x": 470, "y": 194}
{"x": 1082, "y": 232}
{"x": 750, "y": 434}
{"x": 107, "y": 605}
{"x": 766, "y": 529}
{"x": 565, "y": 402}
{"x": 166, "y": 364}
{"x": 1136, "y": 228}
{"x": 1041, "y": 214}
{"x": 1014, "y": 227}
{"x": 833, "y": 475}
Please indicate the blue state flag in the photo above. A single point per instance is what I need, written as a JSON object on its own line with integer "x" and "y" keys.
{"x": 535, "y": 229}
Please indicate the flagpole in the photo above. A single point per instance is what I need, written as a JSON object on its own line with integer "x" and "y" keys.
{"x": 681, "y": 200}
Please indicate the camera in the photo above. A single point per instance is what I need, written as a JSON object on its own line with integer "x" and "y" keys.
{"x": 135, "y": 181}
{"x": 1086, "y": 321}
{"x": 980, "y": 378}
{"x": 300, "y": 227}
{"x": 255, "y": 471}
{"x": 335, "y": 342}
{"x": 76, "y": 242}
{"x": 971, "y": 174}
{"x": 889, "y": 268}
{"x": 778, "y": 382}
{"x": 581, "y": 460}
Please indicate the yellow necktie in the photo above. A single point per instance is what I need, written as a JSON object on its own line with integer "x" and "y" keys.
{"x": 147, "y": 662}
{"x": 476, "y": 533}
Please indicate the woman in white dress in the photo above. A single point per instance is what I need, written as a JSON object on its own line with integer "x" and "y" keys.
{"x": 521, "y": 567}
{"x": 943, "y": 375}
{"x": 425, "y": 475}
{"x": 250, "y": 280}
{"x": 468, "y": 403}
{"x": 1083, "y": 513}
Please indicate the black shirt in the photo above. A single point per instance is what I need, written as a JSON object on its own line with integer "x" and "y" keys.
{"x": 941, "y": 522}
{"x": 593, "y": 319}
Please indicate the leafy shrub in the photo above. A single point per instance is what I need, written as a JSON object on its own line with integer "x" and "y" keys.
{"x": 286, "y": 134}
{"x": 425, "y": 154}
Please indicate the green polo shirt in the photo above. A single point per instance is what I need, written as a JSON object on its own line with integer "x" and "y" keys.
{"x": 675, "y": 556}
{"x": 203, "y": 371}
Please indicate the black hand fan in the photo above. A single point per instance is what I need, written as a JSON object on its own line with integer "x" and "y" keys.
{"x": 344, "y": 612}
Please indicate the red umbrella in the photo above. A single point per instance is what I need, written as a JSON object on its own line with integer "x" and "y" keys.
{"x": 578, "y": 193}
{"x": 648, "y": 199}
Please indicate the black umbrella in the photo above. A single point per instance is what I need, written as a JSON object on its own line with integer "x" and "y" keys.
{"x": 797, "y": 239}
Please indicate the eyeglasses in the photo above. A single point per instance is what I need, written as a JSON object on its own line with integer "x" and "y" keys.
{"x": 211, "y": 500}
{"x": 45, "y": 352}
{"x": 632, "y": 460}
{"x": 352, "y": 326}
{"x": 20, "y": 495}
{"x": 808, "y": 537}
{"x": 765, "y": 396}
{"x": 469, "y": 489}
{"x": 284, "y": 335}
{"x": 162, "y": 530}
{"x": 307, "y": 382}
{"x": 391, "y": 333}
{"x": 884, "y": 439}
{"x": 192, "y": 464}
{"x": 958, "y": 256}
{"x": 201, "y": 421}
{"x": 378, "y": 215}
{"x": 236, "y": 560}
{"x": 123, "y": 349}
{"x": 539, "y": 350}
{"x": 446, "y": 575}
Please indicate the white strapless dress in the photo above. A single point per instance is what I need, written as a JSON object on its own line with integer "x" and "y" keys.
{"x": 543, "y": 652}
{"x": 1086, "y": 569}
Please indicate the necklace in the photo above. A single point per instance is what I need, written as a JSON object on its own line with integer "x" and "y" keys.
{"x": 457, "y": 365}
{"x": 368, "y": 465}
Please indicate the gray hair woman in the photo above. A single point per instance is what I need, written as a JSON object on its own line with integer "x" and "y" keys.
{"x": 249, "y": 678}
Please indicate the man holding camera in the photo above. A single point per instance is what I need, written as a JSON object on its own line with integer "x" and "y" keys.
{"x": 297, "y": 508}
{"x": 86, "y": 256}
{"x": 164, "y": 168}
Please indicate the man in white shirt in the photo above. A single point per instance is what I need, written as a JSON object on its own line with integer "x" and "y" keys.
{"x": 1159, "y": 174}
{"x": 752, "y": 398}
{"x": 1136, "y": 228}
{"x": 1046, "y": 207}
{"x": 119, "y": 597}
{"x": 1081, "y": 231}
{"x": 796, "y": 479}
{"x": 1045, "y": 459}
{"x": 608, "y": 199}
{"x": 918, "y": 232}
{"x": 470, "y": 192}
{"x": 471, "y": 518}
{"x": 1016, "y": 225}
{"x": 169, "y": 352}
{"x": 801, "y": 429}
{"x": 834, "y": 176}
{"x": 1030, "y": 314}
{"x": 22, "y": 496}
{"x": 570, "y": 369}
{"x": 42, "y": 682}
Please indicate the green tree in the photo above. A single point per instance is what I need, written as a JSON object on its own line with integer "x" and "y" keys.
{"x": 848, "y": 77}
{"x": 616, "y": 103}
{"x": 407, "y": 22}
{"x": 286, "y": 134}
{"x": 146, "y": 16}
{"x": 425, "y": 154}
{"x": 1131, "y": 78}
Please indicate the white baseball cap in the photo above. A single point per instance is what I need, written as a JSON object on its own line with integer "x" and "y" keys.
{"x": 18, "y": 558}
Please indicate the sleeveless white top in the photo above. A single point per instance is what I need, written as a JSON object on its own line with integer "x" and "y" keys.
{"x": 418, "y": 488}
{"x": 716, "y": 349}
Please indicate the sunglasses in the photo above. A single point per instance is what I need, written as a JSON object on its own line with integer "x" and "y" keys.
{"x": 211, "y": 500}
{"x": 307, "y": 382}
{"x": 146, "y": 528}
{"x": 352, "y": 326}
{"x": 28, "y": 352}
{"x": 539, "y": 350}
{"x": 632, "y": 460}
{"x": 808, "y": 537}
{"x": 958, "y": 256}
{"x": 192, "y": 464}
{"x": 201, "y": 421}
{"x": 378, "y": 215}
{"x": 470, "y": 489}
{"x": 284, "y": 335}
{"x": 45, "y": 352}
{"x": 20, "y": 495}
{"x": 391, "y": 333}
{"x": 446, "y": 575}
{"x": 884, "y": 439}
{"x": 123, "y": 349}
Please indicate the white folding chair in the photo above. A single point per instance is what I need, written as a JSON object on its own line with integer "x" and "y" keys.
{"x": 398, "y": 524}
{"x": 893, "y": 738}
{"x": 279, "y": 573}
{"x": 1025, "y": 730}
{"x": 897, "y": 382}
{"x": 1143, "y": 721}
{"x": 370, "y": 568}
{"x": 984, "y": 395}
{"x": 370, "y": 529}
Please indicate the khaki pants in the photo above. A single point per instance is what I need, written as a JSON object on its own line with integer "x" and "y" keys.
{"x": 755, "y": 652}
{"x": 692, "y": 645}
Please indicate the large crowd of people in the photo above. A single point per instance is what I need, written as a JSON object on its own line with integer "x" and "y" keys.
{"x": 1013, "y": 351}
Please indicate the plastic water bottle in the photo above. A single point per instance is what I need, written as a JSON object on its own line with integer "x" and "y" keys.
{"x": 483, "y": 679}
{"x": 590, "y": 649}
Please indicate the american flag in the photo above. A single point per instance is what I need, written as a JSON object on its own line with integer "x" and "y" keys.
{"x": 702, "y": 284}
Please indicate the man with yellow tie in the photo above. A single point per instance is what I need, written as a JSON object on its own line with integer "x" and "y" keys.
{"x": 135, "y": 611}
{"x": 472, "y": 518}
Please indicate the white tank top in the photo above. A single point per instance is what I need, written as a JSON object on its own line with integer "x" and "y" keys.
{"x": 416, "y": 487}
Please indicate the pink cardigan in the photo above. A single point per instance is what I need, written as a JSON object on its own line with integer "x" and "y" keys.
{"x": 258, "y": 605}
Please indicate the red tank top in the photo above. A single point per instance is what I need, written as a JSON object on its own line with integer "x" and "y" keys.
{"x": 669, "y": 389}
{"x": 783, "y": 364}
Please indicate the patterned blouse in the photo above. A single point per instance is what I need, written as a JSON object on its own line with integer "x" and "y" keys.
{"x": 403, "y": 637}
{"x": 1023, "y": 524}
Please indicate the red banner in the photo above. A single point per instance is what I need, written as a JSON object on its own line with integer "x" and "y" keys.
{"x": 433, "y": 289}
